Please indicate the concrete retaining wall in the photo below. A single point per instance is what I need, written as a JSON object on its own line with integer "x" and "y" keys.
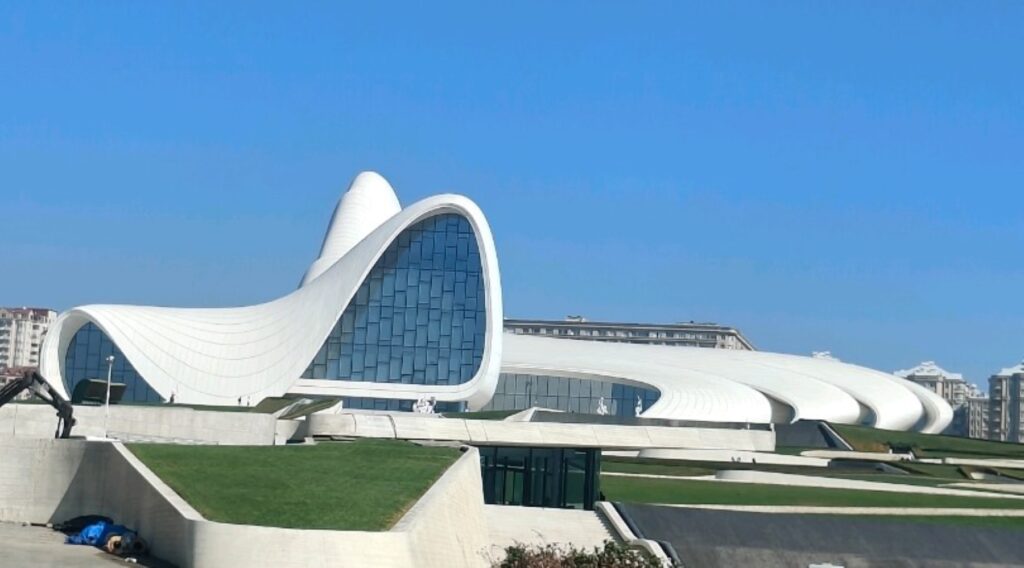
{"x": 144, "y": 423}
{"x": 793, "y": 480}
{"x": 845, "y": 455}
{"x": 53, "y": 480}
{"x": 730, "y": 455}
{"x": 414, "y": 427}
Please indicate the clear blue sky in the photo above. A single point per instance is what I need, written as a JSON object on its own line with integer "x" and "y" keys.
{"x": 819, "y": 175}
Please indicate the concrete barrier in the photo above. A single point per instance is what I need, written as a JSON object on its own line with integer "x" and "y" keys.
{"x": 626, "y": 535}
{"x": 848, "y": 455}
{"x": 985, "y": 462}
{"x": 175, "y": 424}
{"x": 793, "y": 480}
{"x": 53, "y": 480}
{"x": 731, "y": 455}
{"x": 496, "y": 432}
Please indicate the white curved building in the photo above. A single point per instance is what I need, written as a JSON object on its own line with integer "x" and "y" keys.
{"x": 405, "y": 303}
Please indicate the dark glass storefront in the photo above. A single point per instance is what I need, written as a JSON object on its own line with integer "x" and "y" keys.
{"x": 566, "y": 478}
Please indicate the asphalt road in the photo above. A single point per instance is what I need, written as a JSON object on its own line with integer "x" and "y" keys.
{"x": 709, "y": 538}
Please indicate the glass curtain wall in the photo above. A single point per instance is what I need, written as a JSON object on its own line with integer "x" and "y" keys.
{"x": 541, "y": 477}
{"x": 518, "y": 391}
{"x": 366, "y": 403}
{"x": 419, "y": 317}
{"x": 86, "y": 358}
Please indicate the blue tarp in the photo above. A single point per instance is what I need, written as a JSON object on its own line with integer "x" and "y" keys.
{"x": 97, "y": 534}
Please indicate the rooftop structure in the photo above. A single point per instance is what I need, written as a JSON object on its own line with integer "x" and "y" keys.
{"x": 689, "y": 334}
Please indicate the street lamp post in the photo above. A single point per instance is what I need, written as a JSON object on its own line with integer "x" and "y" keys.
{"x": 106, "y": 416}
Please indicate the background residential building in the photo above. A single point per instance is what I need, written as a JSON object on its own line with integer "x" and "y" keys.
{"x": 948, "y": 385}
{"x": 970, "y": 406}
{"x": 21, "y": 335}
{"x": 1005, "y": 393}
{"x": 977, "y": 415}
{"x": 685, "y": 334}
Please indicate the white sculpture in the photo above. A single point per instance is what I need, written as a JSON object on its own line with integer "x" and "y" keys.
{"x": 602, "y": 408}
{"x": 639, "y": 406}
{"x": 424, "y": 406}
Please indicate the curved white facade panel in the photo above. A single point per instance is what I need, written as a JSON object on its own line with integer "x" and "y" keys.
{"x": 692, "y": 395}
{"x": 403, "y": 304}
{"x": 736, "y": 386}
{"x": 216, "y": 356}
{"x": 369, "y": 201}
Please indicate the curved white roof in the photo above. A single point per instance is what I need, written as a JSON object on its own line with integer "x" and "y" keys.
{"x": 369, "y": 201}
{"x": 215, "y": 356}
{"x": 731, "y": 385}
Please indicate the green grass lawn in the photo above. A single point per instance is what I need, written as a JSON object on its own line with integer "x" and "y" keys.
{"x": 363, "y": 485}
{"x": 693, "y": 492}
{"x": 867, "y": 439}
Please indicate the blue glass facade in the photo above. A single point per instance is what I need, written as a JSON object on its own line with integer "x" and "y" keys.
{"x": 419, "y": 317}
{"x": 86, "y": 358}
{"x": 517, "y": 392}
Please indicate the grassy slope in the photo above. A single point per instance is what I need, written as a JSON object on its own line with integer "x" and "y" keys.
{"x": 364, "y": 485}
{"x": 646, "y": 490}
{"x": 927, "y": 445}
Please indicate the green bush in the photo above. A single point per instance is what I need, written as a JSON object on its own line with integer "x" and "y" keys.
{"x": 613, "y": 555}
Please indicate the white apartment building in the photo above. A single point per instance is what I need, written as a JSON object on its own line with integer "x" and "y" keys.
{"x": 970, "y": 405}
{"x": 950, "y": 386}
{"x": 21, "y": 335}
{"x": 1006, "y": 415}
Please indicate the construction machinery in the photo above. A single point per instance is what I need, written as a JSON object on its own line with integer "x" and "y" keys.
{"x": 37, "y": 385}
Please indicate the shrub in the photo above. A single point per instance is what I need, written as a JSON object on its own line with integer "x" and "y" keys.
{"x": 612, "y": 555}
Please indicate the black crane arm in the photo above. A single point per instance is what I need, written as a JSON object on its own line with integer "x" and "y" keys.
{"x": 35, "y": 382}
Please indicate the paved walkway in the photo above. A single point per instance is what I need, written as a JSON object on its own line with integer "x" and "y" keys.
{"x": 43, "y": 548}
{"x": 729, "y": 539}
{"x": 38, "y": 547}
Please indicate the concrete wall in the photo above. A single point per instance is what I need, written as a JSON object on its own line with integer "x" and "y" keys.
{"x": 54, "y": 480}
{"x": 417, "y": 427}
{"x": 731, "y": 455}
{"x": 35, "y": 475}
{"x": 144, "y": 423}
{"x": 447, "y": 527}
{"x": 794, "y": 480}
